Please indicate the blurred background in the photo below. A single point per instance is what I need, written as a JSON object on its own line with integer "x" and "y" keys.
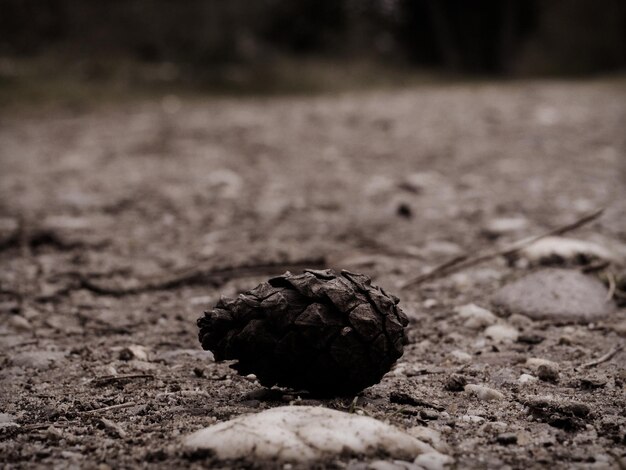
{"x": 67, "y": 47}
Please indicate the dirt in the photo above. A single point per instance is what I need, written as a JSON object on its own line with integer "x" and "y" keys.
{"x": 386, "y": 183}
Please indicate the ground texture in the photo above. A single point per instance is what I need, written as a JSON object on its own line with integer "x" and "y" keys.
{"x": 387, "y": 183}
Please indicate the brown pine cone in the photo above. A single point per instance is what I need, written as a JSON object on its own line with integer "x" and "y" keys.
{"x": 318, "y": 331}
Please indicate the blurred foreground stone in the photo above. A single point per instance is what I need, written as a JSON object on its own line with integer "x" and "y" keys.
{"x": 304, "y": 434}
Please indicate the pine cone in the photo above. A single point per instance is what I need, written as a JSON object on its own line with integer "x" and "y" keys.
{"x": 318, "y": 331}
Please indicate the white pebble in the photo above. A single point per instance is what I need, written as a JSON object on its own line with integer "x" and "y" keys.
{"x": 461, "y": 356}
{"x": 472, "y": 419}
{"x": 502, "y": 333}
{"x": 527, "y": 378}
{"x": 434, "y": 461}
{"x": 484, "y": 393}
{"x": 430, "y": 436}
{"x": 304, "y": 434}
{"x": 476, "y": 317}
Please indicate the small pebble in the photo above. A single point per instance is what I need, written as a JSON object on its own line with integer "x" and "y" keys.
{"x": 430, "y": 436}
{"x": 461, "y": 356}
{"x": 134, "y": 351}
{"x": 429, "y": 415}
{"x": 19, "y": 323}
{"x": 504, "y": 225}
{"x": 475, "y": 317}
{"x": 434, "y": 461}
{"x": 472, "y": 419}
{"x": 557, "y": 295}
{"x": 526, "y": 378}
{"x": 502, "y": 333}
{"x": 548, "y": 373}
{"x": 484, "y": 393}
{"x": 455, "y": 383}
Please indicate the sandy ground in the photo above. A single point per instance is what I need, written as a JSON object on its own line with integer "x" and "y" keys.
{"x": 387, "y": 183}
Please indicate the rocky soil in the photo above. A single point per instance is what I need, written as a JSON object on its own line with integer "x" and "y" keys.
{"x": 120, "y": 225}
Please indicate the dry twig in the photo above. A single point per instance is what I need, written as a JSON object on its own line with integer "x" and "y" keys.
{"x": 112, "y": 407}
{"x": 201, "y": 274}
{"x": 607, "y": 357}
{"x": 465, "y": 261}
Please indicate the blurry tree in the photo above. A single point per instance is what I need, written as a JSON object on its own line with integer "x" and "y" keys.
{"x": 477, "y": 36}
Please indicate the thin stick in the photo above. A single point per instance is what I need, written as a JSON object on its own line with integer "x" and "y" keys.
{"x": 197, "y": 274}
{"x": 607, "y": 357}
{"x": 465, "y": 261}
{"x": 112, "y": 407}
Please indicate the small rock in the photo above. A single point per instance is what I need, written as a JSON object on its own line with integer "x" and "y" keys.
{"x": 507, "y": 438}
{"x": 484, "y": 393}
{"x": 303, "y": 434}
{"x": 7, "y": 422}
{"x": 430, "y": 436}
{"x": 113, "y": 427}
{"x": 527, "y": 379}
{"x": 429, "y": 415}
{"x": 19, "y": 323}
{"x": 502, "y": 333}
{"x": 474, "y": 419}
{"x": 548, "y": 373}
{"x": 455, "y": 383}
{"x": 565, "y": 251}
{"x": 476, "y": 317}
{"x": 461, "y": 356}
{"x": 558, "y": 295}
{"x": 535, "y": 362}
{"x": 134, "y": 351}
{"x": 434, "y": 461}
{"x": 495, "y": 228}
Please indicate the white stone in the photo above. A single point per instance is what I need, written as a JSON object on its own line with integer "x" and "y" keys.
{"x": 484, "y": 393}
{"x": 527, "y": 379}
{"x": 566, "y": 249}
{"x": 304, "y": 434}
{"x": 502, "y": 333}
{"x": 136, "y": 351}
{"x": 476, "y": 317}
{"x": 461, "y": 356}
{"x": 19, "y": 323}
{"x": 430, "y": 436}
{"x": 474, "y": 419}
{"x": 434, "y": 461}
{"x": 504, "y": 225}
